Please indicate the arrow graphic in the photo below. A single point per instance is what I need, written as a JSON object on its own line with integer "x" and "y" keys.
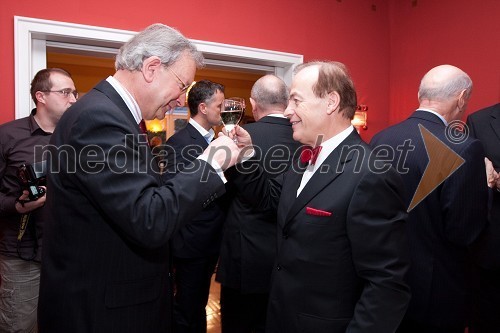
{"x": 443, "y": 162}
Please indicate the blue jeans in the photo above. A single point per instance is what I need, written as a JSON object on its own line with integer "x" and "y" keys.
{"x": 19, "y": 285}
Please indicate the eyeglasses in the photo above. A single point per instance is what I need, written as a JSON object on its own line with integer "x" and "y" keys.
{"x": 184, "y": 86}
{"x": 65, "y": 92}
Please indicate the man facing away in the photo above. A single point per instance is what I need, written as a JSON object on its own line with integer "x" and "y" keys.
{"x": 444, "y": 225}
{"x": 106, "y": 259}
{"x": 195, "y": 246}
{"x": 341, "y": 240}
{"x": 249, "y": 243}
{"x": 53, "y": 92}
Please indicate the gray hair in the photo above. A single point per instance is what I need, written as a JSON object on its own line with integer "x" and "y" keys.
{"x": 270, "y": 90}
{"x": 446, "y": 90}
{"x": 156, "y": 40}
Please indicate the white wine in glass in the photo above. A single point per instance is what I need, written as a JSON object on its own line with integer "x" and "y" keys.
{"x": 231, "y": 114}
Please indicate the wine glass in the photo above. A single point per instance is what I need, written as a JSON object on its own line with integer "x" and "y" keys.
{"x": 241, "y": 100}
{"x": 231, "y": 114}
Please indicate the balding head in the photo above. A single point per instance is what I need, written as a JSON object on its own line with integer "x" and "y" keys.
{"x": 444, "y": 89}
{"x": 269, "y": 95}
{"x": 443, "y": 83}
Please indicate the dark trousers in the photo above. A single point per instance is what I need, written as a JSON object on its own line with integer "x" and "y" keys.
{"x": 409, "y": 326}
{"x": 243, "y": 313}
{"x": 192, "y": 286}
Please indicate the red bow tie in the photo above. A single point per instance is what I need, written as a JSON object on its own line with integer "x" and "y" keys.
{"x": 309, "y": 154}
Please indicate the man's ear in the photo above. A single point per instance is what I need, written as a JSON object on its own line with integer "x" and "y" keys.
{"x": 462, "y": 100}
{"x": 333, "y": 102}
{"x": 40, "y": 97}
{"x": 202, "y": 107}
{"x": 150, "y": 68}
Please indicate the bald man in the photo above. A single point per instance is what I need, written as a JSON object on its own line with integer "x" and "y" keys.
{"x": 442, "y": 227}
{"x": 249, "y": 242}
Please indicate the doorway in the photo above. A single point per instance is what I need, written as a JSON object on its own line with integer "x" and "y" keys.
{"x": 34, "y": 36}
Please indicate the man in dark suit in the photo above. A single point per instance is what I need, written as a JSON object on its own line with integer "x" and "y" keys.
{"x": 195, "y": 247}
{"x": 449, "y": 219}
{"x": 249, "y": 244}
{"x": 105, "y": 265}
{"x": 485, "y": 126}
{"x": 341, "y": 252}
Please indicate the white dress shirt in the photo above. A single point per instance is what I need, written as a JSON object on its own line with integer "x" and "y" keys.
{"x": 208, "y": 135}
{"x": 327, "y": 147}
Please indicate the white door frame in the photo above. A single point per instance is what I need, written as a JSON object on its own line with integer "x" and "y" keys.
{"x": 32, "y": 35}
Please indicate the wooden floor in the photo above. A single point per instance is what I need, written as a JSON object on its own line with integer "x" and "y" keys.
{"x": 213, "y": 308}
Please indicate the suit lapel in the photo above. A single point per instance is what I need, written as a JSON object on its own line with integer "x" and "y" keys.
{"x": 196, "y": 137}
{"x": 108, "y": 90}
{"x": 331, "y": 168}
{"x": 292, "y": 183}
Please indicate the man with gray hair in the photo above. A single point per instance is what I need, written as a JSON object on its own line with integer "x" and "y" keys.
{"x": 106, "y": 256}
{"x": 447, "y": 221}
{"x": 249, "y": 243}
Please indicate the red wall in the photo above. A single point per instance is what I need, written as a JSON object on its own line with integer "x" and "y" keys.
{"x": 348, "y": 31}
{"x": 387, "y": 44}
{"x": 463, "y": 33}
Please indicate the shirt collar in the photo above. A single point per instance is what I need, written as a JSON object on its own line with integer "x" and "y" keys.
{"x": 435, "y": 113}
{"x": 330, "y": 145}
{"x": 276, "y": 115}
{"x": 127, "y": 98}
{"x": 33, "y": 124}
{"x": 208, "y": 135}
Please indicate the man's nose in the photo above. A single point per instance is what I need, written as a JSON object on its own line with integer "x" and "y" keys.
{"x": 288, "y": 112}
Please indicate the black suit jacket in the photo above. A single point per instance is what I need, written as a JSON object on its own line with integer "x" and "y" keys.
{"x": 249, "y": 244}
{"x": 105, "y": 261}
{"x": 339, "y": 272}
{"x": 485, "y": 126}
{"x": 443, "y": 226}
{"x": 202, "y": 235}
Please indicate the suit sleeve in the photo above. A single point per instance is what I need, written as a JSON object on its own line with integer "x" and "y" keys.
{"x": 114, "y": 176}
{"x": 255, "y": 187}
{"x": 464, "y": 198}
{"x": 179, "y": 154}
{"x": 376, "y": 228}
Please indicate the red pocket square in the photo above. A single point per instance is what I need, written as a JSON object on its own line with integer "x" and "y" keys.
{"x": 317, "y": 212}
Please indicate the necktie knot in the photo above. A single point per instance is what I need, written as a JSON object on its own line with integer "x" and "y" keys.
{"x": 309, "y": 154}
{"x": 142, "y": 127}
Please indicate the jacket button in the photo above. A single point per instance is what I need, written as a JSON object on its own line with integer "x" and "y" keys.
{"x": 278, "y": 267}
{"x": 285, "y": 236}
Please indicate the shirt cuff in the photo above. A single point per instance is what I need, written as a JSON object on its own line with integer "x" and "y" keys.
{"x": 214, "y": 165}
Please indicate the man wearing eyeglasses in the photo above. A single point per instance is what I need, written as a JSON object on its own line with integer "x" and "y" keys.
{"x": 53, "y": 92}
{"x": 106, "y": 259}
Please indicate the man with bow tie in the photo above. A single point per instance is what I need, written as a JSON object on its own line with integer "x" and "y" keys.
{"x": 342, "y": 252}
